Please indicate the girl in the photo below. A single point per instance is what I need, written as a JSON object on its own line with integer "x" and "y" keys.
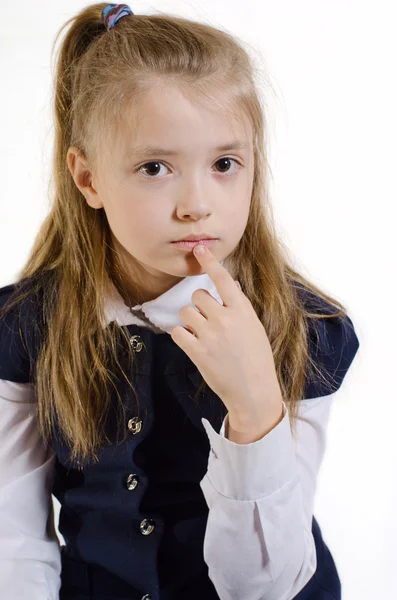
{"x": 179, "y": 419}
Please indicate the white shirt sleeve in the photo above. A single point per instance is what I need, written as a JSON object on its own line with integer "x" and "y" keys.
{"x": 30, "y": 562}
{"x": 258, "y": 542}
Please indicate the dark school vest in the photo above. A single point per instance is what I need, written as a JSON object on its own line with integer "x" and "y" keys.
{"x": 134, "y": 522}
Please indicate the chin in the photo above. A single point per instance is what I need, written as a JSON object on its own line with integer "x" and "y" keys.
{"x": 190, "y": 266}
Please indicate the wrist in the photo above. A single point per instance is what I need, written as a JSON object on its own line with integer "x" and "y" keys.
{"x": 248, "y": 428}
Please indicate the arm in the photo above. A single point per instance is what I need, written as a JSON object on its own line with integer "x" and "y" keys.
{"x": 258, "y": 543}
{"x": 29, "y": 551}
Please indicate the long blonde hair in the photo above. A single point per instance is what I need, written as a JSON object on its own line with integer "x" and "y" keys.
{"x": 73, "y": 260}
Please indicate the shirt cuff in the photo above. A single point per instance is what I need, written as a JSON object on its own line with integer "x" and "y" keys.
{"x": 251, "y": 471}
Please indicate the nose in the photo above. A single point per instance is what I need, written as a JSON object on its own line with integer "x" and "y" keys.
{"x": 194, "y": 202}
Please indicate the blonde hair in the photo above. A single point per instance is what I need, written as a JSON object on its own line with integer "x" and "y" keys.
{"x": 73, "y": 260}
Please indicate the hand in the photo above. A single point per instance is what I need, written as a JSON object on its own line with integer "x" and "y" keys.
{"x": 229, "y": 346}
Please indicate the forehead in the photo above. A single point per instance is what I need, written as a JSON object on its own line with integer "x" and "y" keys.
{"x": 164, "y": 118}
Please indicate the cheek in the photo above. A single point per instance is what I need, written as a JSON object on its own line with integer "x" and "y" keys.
{"x": 237, "y": 210}
{"x": 148, "y": 220}
{"x": 139, "y": 222}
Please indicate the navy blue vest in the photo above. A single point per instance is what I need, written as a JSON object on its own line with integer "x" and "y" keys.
{"x": 134, "y": 522}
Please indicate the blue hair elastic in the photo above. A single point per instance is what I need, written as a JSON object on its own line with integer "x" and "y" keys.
{"x": 113, "y": 13}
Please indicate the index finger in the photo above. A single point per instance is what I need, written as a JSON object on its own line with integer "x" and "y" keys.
{"x": 222, "y": 279}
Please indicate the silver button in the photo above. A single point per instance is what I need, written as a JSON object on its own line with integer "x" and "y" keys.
{"x": 136, "y": 342}
{"x": 135, "y": 425}
{"x": 146, "y": 597}
{"x": 147, "y": 526}
{"x": 132, "y": 481}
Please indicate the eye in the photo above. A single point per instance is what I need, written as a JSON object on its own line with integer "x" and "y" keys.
{"x": 228, "y": 159}
{"x": 152, "y": 167}
{"x": 145, "y": 167}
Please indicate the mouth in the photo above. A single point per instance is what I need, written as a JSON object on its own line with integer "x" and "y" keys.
{"x": 190, "y": 244}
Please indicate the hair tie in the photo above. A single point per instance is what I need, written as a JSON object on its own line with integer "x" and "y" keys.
{"x": 113, "y": 13}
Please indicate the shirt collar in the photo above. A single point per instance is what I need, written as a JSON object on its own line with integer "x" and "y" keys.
{"x": 163, "y": 311}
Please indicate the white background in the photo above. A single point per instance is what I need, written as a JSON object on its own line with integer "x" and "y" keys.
{"x": 333, "y": 155}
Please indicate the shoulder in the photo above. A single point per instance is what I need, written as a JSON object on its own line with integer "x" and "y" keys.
{"x": 333, "y": 344}
{"x": 18, "y": 333}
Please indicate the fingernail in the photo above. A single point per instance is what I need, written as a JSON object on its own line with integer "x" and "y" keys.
{"x": 199, "y": 249}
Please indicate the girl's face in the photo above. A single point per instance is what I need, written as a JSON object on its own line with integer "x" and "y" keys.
{"x": 154, "y": 197}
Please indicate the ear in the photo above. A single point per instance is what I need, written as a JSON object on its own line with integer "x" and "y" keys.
{"x": 82, "y": 176}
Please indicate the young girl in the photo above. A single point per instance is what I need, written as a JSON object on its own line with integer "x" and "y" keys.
{"x": 179, "y": 419}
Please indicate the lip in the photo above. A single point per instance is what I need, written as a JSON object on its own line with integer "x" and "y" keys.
{"x": 186, "y": 245}
{"x": 196, "y": 237}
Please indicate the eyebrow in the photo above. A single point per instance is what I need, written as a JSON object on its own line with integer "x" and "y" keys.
{"x": 152, "y": 150}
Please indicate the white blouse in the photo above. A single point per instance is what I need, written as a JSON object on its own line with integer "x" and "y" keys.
{"x": 258, "y": 542}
